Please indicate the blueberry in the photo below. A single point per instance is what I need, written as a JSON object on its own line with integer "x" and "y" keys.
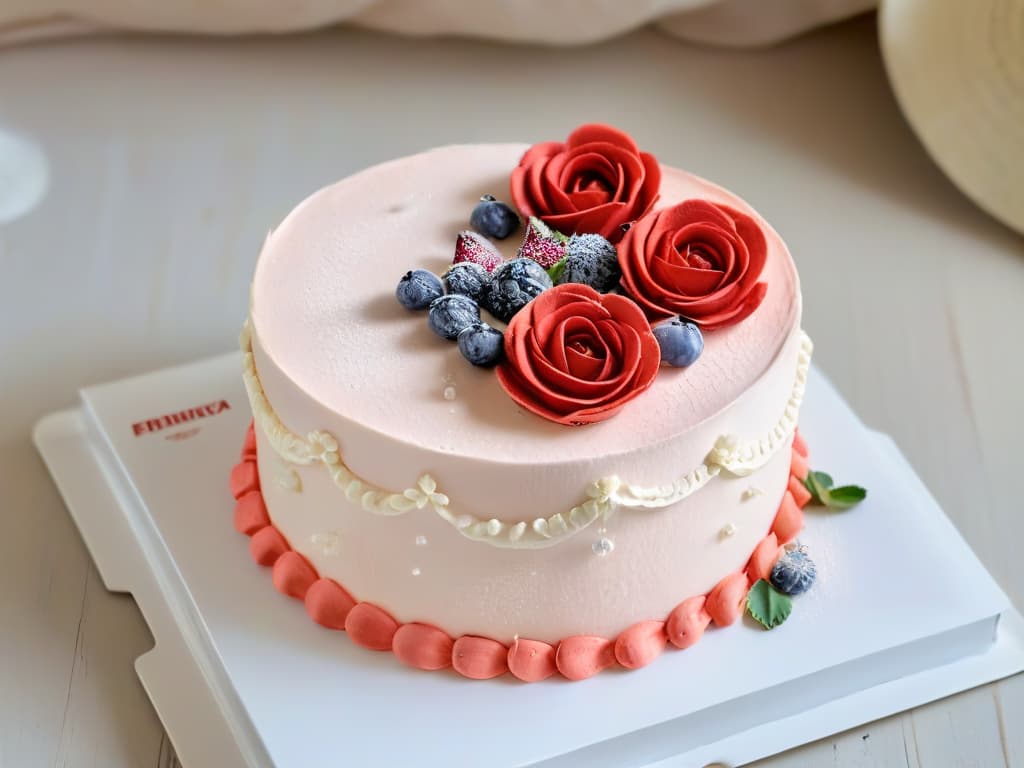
{"x": 591, "y": 260}
{"x": 513, "y": 285}
{"x": 418, "y": 288}
{"x": 794, "y": 572}
{"x": 481, "y": 344}
{"x": 450, "y": 314}
{"x": 681, "y": 342}
{"x": 467, "y": 278}
{"x": 493, "y": 218}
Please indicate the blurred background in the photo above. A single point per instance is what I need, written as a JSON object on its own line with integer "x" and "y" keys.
{"x": 146, "y": 149}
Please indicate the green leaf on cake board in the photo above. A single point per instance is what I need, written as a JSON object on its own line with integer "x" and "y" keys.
{"x": 767, "y": 605}
{"x": 820, "y": 485}
{"x": 845, "y": 496}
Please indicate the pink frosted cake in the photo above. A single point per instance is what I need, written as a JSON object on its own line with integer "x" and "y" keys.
{"x": 582, "y": 451}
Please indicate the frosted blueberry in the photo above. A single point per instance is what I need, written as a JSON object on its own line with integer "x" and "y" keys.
{"x": 493, "y": 218}
{"x": 681, "y": 342}
{"x": 450, "y": 314}
{"x": 466, "y": 278}
{"x": 794, "y": 572}
{"x": 481, "y": 344}
{"x": 513, "y": 285}
{"x": 418, "y": 288}
{"x": 591, "y": 260}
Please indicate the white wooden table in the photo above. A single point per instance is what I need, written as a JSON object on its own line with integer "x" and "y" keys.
{"x": 169, "y": 159}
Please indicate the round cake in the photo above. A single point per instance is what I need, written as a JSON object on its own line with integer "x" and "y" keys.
{"x": 580, "y": 506}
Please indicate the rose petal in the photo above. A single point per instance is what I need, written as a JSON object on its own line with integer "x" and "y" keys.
{"x": 589, "y": 166}
{"x": 541, "y": 151}
{"x": 581, "y": 329}
{"x": 598, "y": 132}
{"x": 688, "y": 281}
{"x": 741, "y": 312}
{"x": 524, "y": 193}
{"x": 605, "y": 220}
{"x": 560, "y": 389}
{"x": 554, "y": 195}
{"x": 584, "y": 367}
{"x": 584, "y": 313}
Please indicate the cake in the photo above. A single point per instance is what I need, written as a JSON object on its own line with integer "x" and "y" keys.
{"x": 613, "y": 475}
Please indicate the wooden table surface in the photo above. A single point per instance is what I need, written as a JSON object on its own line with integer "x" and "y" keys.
{"x": 166, "y": 161}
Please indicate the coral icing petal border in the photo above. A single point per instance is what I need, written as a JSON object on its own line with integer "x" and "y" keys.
{"x": 427, "y": 647}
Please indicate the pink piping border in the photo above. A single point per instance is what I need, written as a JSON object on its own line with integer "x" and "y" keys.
{"x": 426, "y": 647}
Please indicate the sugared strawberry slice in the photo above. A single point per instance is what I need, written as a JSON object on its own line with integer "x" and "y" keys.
{"x": 542, "y": 244}
{"x": 473, "y": 247}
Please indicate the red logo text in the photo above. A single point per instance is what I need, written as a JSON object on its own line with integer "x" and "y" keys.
{"x": 181, "y": 417}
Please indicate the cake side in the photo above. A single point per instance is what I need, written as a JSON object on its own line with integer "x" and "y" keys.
{"x": 424, "y": 646}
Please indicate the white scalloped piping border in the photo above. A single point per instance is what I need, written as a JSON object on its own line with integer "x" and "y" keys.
{"x": 730, "y": 454}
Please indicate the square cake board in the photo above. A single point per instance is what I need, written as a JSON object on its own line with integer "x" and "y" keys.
{"x": 902, "y": 614}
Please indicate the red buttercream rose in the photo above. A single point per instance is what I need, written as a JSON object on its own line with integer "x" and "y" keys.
{"x": 596, "y": 181}
{"x": 575, "y": 356}
{"x": 697, "y": 259}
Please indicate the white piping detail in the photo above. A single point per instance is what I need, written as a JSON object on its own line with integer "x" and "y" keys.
{"x": 730, "y": 455}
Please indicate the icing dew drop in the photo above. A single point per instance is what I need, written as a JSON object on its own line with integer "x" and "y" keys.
{"x": 421, "y": 541}
{"x": 416, "y": 571}
{"x": 603, "y": 546}
{"x": 449, "y": 392}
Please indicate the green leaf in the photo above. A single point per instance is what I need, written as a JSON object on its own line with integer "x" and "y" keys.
{"x": 845, "y": 496}
{"x": 556, "y": 270}
{"x": 836, "y": 499}
{"x": 818, "y": 483}
{"x": 824, "y": 479}
{"x": 767, "y": 605}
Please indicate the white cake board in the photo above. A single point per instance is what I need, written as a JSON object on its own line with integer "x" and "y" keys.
{"x": 903, "y": 613}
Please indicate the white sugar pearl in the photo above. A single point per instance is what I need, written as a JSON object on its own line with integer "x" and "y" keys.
{"x": 603, "y": 546}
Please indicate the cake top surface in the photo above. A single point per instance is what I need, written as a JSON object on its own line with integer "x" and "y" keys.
{"x": 325, "y": 312}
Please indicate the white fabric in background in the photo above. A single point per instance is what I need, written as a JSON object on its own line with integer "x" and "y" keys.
{"x": 720, "y": 22}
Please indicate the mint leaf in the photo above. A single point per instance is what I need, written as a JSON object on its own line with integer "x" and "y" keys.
{"x": 823, "y": 479}
{"x": 837, "y": 499}
{"x": 845, "y": 497}
{"x": 556, "y": 270}
{"x": 767, "y": 605}
{"x": 818, "y": 483}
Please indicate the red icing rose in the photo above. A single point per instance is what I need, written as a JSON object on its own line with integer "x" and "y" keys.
{"x": 697, "y": 259}
{"x": 575, "y": 356}
{"x": 595, "y": 182}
